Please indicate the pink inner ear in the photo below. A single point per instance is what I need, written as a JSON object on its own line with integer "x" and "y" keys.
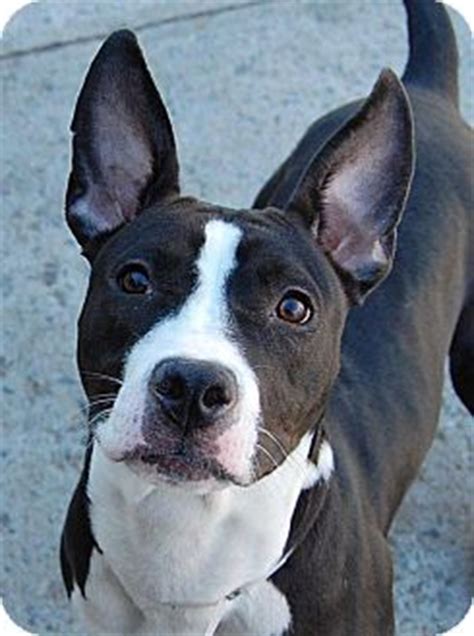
{"x": 350, "y": 230}
{"x": 349, "y": 245}
{"x": 126, "y": 157}
{"x": 353, "y": 256}
{"x": 96, "y": 209}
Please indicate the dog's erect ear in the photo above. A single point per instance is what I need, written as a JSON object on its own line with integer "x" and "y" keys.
{"x": 354, "y": 191}
{"x": 124, "y": 152}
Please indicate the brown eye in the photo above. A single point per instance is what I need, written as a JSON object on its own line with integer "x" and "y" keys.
{"x": 295, "y": 308}
{"x": 134, "y": 280}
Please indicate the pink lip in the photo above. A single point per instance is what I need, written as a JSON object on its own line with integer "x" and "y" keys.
{"x": 179, "y": 466}
{"x": 182, "y": 467}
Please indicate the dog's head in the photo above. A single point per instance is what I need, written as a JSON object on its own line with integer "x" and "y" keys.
{"x": 210, "y": 337}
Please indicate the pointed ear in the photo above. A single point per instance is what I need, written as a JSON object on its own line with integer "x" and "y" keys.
{"x": 354, "y": 190}
{"x": 124, "y": 152}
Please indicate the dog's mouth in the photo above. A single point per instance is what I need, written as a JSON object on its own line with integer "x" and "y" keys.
{"x": 179, "y": 465}
{"x": 157, "y": 450}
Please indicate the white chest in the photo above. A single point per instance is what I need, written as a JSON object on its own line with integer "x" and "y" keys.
{"x": 170, "y": 556}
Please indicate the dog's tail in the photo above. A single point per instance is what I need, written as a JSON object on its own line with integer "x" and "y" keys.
{"x": 433, "y": 58}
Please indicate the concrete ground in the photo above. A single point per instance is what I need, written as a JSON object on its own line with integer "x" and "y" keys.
{"x": 242, "y": 80}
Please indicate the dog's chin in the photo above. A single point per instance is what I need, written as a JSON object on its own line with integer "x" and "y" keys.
{"x": 185, "y": 470}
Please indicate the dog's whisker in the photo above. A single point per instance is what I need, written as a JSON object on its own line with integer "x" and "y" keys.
{"x": 103, "y": 376}
{"x": 103, "y": 395}
{"x": 104, "y": 401}
{"x": 101, "y": 401}
{"x": 275, "y": 440}
{"x": 93, "y": 421}
{"x": 77, "y": 413}
{"x": 294, "y": 461}
{"x": 83, "y": 411}
{"x": 285, "y": 453}
{"x": 269, "y": 485}
{"x": 267, "y": 454}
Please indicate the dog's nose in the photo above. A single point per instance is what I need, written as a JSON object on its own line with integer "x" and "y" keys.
{"x": 194, "y": 393}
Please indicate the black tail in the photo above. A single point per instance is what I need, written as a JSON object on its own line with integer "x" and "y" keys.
{"x": 433, "y": 57}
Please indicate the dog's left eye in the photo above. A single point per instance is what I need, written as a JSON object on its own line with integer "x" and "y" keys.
{"x": 134, "y": 279}
{"x": 295, "y": 308}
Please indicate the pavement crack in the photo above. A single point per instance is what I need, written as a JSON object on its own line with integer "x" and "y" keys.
{"x": 152, "y": 24}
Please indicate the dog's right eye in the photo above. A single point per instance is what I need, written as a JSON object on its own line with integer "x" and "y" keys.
{"x": 134, "y": 279}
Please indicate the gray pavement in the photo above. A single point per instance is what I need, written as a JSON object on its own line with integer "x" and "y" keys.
{"x": 243, "y": 81}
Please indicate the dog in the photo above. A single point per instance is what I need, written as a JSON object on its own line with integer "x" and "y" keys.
{"x": 256, "y": 413}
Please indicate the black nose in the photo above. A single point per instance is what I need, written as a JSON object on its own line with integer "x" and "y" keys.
{"x": 193, "y": 393}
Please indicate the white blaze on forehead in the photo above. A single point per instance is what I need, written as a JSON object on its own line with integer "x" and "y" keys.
{"x": 199, "y": 330}
{"x": 217, "y": 260}
{"x": 202, "y": 323}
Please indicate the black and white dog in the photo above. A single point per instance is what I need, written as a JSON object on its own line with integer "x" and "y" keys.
{"x": 250, "y": 441}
